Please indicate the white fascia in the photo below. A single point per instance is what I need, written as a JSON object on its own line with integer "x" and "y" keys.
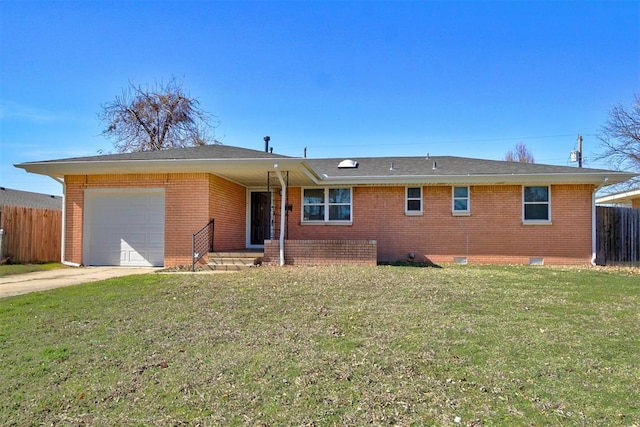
{"x": 582, "y": 178}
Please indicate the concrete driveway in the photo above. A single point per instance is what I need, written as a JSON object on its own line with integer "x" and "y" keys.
{"x": 42, "y": 280}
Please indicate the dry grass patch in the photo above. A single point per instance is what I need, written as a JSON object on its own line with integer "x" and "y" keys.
{"x": 10, "y": 269}
{"x": 327, "y": 346}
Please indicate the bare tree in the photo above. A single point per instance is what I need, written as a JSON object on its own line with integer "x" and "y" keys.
{"x": 145, "y": 119}
{"x": 620, "y": 137}
{"x": 519, "y": 154}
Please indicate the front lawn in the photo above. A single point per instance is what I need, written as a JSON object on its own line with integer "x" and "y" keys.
{"x": 461, "y": 345}
{"x": 9, "y": 269}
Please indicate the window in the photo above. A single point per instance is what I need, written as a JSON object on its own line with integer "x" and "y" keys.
{"x": 413, "y": 205}
{"x": 460, "y": 203}
{"x": 326, "y": 204}
{"x": 536, "y": 204}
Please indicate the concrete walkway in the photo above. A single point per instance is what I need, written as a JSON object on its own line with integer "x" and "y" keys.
{"x": 43, "y": 280}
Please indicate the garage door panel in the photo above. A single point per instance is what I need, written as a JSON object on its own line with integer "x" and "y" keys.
{"x": 139, "y": 219}
{"x": 124, "y": 228}
{"x": 137, "y": 238}
{"x": 137, "y": 257}
{"x": 156, "y": 238}
{"x": 157, "y": 219}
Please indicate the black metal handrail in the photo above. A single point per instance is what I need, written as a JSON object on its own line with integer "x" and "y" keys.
{"x": 202, "y": 243}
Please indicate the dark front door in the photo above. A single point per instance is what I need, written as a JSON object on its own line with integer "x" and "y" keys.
{"x": 260, "y": 217}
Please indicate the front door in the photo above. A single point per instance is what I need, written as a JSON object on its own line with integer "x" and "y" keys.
{"x": 260, "y": 217}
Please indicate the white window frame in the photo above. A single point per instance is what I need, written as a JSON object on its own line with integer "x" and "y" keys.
{"x": 455, "y": 211}
{"x": 326, "y": 206}
{"x": 407, "y": 199}
{"x": 525, "y": 203}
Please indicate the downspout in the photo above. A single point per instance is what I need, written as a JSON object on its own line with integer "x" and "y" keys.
{"x": 283, "y": 203}
{"x": 64, "y": 223}
{"x": 594, "y": 249}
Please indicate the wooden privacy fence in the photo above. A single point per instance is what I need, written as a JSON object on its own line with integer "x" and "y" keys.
{"x": 617, "y": 236}
{"x": 31, "y": 235}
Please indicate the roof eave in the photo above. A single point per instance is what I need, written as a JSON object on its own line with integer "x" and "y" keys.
{"x": 623, "y": 197}
{"x": 599, "y": 178}
{"x": 62, "y": 168}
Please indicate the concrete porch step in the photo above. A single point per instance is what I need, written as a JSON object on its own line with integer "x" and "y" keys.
{"x": 234, "y": 260}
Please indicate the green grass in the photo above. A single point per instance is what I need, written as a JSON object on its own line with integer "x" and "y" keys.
{"x": 328, "y": 346}
{"x": 9, "y": 269}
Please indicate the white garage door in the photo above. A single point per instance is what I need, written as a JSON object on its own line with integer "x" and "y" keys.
{"x": 124, "y": 227}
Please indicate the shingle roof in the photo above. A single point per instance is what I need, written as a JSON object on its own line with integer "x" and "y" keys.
{"x": 187, "y": 153}
{"x": 248, "y": 167}
{"x": 435, "y": 166}
{"x": 9, "y": 197}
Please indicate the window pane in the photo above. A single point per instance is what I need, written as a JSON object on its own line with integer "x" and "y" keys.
{"x": 413, "y": 193}
{"x": 314, "y": 213}
{"x": 461, "y": 192}
{"x": 536, "y": 194}
{"x": 313, "y": 195}
{"x": 460, "y": 205}
{"x": 413, "y": 205}
{"x": 340, "y": 195}
{"x": 536, "y": 211}
{"x": 339, "y": 213}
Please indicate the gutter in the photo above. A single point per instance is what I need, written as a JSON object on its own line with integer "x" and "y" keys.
{"x": 498, "y": 179}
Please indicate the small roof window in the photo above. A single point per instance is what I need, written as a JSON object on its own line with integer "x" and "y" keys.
{"x": 347, "y": 163}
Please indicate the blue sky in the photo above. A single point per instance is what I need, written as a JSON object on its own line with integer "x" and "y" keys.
{"x": 344, "y": 79}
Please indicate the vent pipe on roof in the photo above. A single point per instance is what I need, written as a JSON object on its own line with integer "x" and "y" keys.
{"x": 266, "y": 143}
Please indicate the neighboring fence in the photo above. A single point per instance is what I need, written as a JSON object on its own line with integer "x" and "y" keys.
{"x": 617, "y": 236}
{"x": 31, "y": 235}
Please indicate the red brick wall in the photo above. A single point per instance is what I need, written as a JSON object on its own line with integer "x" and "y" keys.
{"x": 186, "y": 209}
{"x": 321, "y": 252}
{"x": 74, "y": 208}
{"x": 227, "y": 205}
{"x": 493, "y": 233}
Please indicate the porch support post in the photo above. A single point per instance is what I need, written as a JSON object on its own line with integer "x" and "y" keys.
{"x": 283, "y": 207}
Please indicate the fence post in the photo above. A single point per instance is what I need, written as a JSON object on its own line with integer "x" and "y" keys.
{"x": 1, "y": 244}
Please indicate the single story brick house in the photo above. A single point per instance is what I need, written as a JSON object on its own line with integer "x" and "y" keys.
{"x": 143, "y": 208}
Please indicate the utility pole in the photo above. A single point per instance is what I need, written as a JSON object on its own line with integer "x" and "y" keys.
{"x": 579, "y": 151}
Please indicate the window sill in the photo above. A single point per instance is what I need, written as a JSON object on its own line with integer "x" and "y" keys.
{"x": 416, "y": 213}
{"x": 325, "y": 223}
{"x": 537, "y": 223}
{"x": 460, "y": 213}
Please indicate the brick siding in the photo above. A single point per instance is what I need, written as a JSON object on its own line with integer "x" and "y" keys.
{"x": 187, "y": 209}
{"x": 227, "y": 205}
{"x": 322, "y": 252}
{"x": 492, "y": 233}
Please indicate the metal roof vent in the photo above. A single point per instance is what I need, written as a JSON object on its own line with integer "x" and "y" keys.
{"x": 348, "y": 163}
